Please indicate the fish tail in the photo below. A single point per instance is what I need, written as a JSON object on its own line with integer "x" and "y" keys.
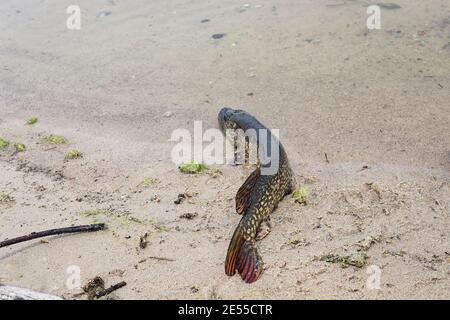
{"x": 243, "y": 257}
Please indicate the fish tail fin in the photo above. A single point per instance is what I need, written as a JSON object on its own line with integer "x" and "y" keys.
{"x": 243, "y": 257}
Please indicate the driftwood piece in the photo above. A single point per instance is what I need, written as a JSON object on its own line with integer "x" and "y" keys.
{"x": 14, "y": 293}
{"x": 52, "y": 232}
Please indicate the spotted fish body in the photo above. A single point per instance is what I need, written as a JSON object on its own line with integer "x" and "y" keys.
{"x": 256, "y": 200}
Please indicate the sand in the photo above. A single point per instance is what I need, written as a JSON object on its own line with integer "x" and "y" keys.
{"x": 376, "y": 102}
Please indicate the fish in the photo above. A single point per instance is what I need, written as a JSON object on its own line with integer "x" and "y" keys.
{"x": 256, "y": 199}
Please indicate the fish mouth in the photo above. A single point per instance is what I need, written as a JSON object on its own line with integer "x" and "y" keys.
{"x": 226, "y": 117}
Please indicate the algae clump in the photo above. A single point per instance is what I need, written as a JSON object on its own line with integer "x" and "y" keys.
{"x": 73, "y": 154}
{"x": 147, "y": 182}
{"x": 31, "y": 121}
{"x": 357, "y": 259}
{"x": 93, "y": 213}
{"x": 54, "y": 139}
{"x": 20, "y": 147}
{"x": 301, "y": 195}
{"x": 3, "y": 144}
{"x": 193, "y": 167}
{"x": 6, "y": 198}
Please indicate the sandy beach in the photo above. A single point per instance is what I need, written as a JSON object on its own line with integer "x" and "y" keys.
{"x": 364, "y": 116}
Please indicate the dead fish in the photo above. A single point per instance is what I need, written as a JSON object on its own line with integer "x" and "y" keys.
{"x": 256, "y": 199}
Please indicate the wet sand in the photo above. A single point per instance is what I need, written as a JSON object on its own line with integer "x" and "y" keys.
{"x": 375, "y": 102}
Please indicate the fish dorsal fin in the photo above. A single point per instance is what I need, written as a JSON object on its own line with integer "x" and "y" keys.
{"x": 244, "y": 193}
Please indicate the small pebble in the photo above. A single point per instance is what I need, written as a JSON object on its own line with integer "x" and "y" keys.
{"x": 218, "y": 36}
{"x": 180, "y": 198}
{"x": 243, "y": 8}
{"x": 188, "y": 216}
{"x": 103, "y": 14}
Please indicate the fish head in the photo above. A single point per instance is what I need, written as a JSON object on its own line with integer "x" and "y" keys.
{"x": 228, "y": 116}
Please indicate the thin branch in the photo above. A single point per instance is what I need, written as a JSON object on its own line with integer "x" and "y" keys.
{"x": 156, "y": 258}
{"x": 52, "y": 232}
{"x": 161, "y": 258}
{"x": 110, "y": 289}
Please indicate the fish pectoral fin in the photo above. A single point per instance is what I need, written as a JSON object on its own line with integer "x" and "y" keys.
{"x": 244, "y": 193}
{"x": 264, "y": 229}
